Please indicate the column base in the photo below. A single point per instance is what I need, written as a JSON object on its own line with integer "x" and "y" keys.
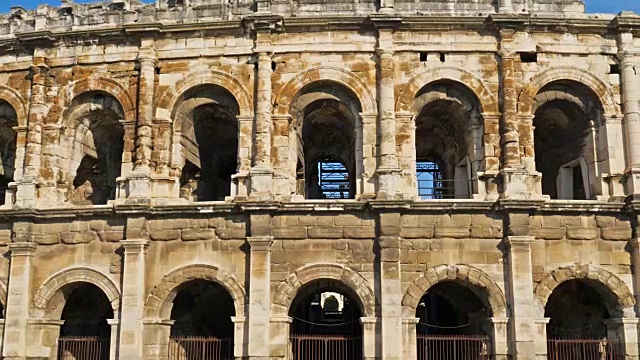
{"x": 632, "y": 183}
{"x": 518, "y": 184}
{"x": 388, "y": 184}
{"x": 260, "y": 181}
{"x": 25, "y": 195}
{"x": 138, "y": 187}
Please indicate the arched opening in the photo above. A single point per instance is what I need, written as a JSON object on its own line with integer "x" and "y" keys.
{"x": 95, "y": 140}
{"x": 8, "y": 120}
{"x": 448, "y": 141}
{"x": 453, "y": 324}
{"x": 578, "y": 311}
{"x": 85, "y": 333}
{"x": 203, "y": 327}
{"x": 326, "y": 322}
{"x": 206, "y": 118}
{"x": 326, "y": 117}
{"x": 567, "y": 116}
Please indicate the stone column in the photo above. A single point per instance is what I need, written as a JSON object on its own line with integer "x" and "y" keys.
{"x": 390, "y": 295}
{"x": 628, "y": 57}
{"x": 520, "y": 290}
{"x": 259, "y": 296}
{"x": 409, "y": 338}
{"x": 611, "y": 136}
{"x": 113, "y": 339}
{"x": 500, "y": 338}
{"x": 239, "y": 338}
{"x": 541, "y": 337}
{"x": 388, "y": 170}
{"x": 140, "y": 177}
{"x": 514, "y": 177}
{"x": 38, "y": 109}
{"x": 369, "y": 337}
{"x": 157, "y": 333}
{"x": 133, "y": 294}
{"x": 43, "y": 338}
{"x": 625, "y": 332}
{"x": 280, "y": 328}
{"x": 18, "y": 297}
{"x": 261, "y": 171}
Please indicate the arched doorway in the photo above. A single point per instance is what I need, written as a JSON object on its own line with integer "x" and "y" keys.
{"x": 202, "y": 328}
{"x": 8, "y": 121}
{"x": 94, "y": 136}
{"x": 326, "y": 116}
{"x": 448, "y": 138}
{"x": 567, "y": 119}
{"x": 452, "y": 324}
{"x": 578, "y": 310}
{"x": 85, "y": 333}
{"x": 326, "y": 323}
{"x": 206, "y": 119}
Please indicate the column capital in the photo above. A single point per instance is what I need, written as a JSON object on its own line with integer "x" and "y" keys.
{"x": 518, "y": 242}
{"x": 45, "y": 322}
{"x": 113, "y": 322}
{"x": 542, "y": 321}
{"x": 22, "y": 248}
{"x": 260, "y": 243}
{"x": 411, "y": 321}
{"x": 132, "y": 246}
{"x": 499, "y": 320}
{"x": 371, "y": 320}
{"x": 238, "y": 319}
{"x": 282, "y": 319}
{"x": 158, "y": 321}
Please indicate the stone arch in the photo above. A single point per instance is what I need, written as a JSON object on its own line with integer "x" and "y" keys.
{"x": 160, "y": 300}
{"x": 106, "y": 85}
{"x": 288, "y": 289}
{"x": 477, "y": 281}
{"x": 482, "y": 92}
{"x": 3, "y": 298}
{"x": 623, "y": 295}
{"x": 170, "y": 98}
{"x": 324, "y": 73}
{"x": 49, "y": 300}
{"x": 15, "y": 100}
{"x": 527, "y": 97}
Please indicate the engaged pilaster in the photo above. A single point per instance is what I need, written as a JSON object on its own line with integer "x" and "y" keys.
{"x": 38, "y": 109}
{"x": 133, "y": 292}
{"x": 520, "y": 283}
{"x": 18, "y": 300}
{"x": 140, "y": 177}
{"x": 629, "y": 60}
{"x": 259, "y": 297}
{"x": 388, "y": 170}
{"x": 390, "y": 285}
{"x": 261, "y": 170}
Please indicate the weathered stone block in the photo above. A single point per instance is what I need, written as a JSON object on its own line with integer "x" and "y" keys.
{"x": 164, "y": 235}
{"x": 232, "y": 233}
{"x": 78, "y": 237}
{"x": 583, "y": 233}
{"x": 359, "y": 232}
{"x": 451, "y": 232}
{"x": 422, "y": 232}
{"x": 290, "y": 233}
{"x": 325, "y": 233}
{"x": 198, "y": 234}
{"x": 616, "y": 233}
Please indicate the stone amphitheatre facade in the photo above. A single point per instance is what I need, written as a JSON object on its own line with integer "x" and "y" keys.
{"x": 373, "y": 174}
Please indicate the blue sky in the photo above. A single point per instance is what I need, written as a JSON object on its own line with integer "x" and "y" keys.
{"x": 608, "y": 6}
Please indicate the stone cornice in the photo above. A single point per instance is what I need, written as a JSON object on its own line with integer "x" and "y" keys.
{"x": 494, "y": 22}
{"x": 320, "y": 206}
